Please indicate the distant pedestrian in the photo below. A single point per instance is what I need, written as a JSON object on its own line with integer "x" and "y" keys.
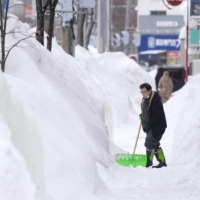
{"x": 154, "y": 124}
{"x": 165, "y": 86}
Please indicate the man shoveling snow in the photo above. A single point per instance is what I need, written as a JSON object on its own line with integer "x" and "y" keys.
{"x": 154, "y": 124}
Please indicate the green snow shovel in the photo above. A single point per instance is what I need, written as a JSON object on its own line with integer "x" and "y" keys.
{"x": 132, "y": 159}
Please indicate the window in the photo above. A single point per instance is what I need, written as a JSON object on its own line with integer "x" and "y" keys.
{"x": 176, "y": 74}
{"x": 158, "y": 13}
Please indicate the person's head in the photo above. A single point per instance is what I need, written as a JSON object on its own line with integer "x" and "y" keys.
{"x": 145, "y": 89}
{"x": 166, "y": 73}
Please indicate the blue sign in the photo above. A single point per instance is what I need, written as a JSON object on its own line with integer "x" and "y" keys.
{"x": 5, "y": 2}
{"x": 159, "y": 42}
{"x": 195, "y": 7}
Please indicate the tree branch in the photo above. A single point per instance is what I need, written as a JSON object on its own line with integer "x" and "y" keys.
{"x": 16, "y": 45}
{"x": 18, "y": 5}
{"x": 46, "y": 6}
{"x": 54, "y": 3}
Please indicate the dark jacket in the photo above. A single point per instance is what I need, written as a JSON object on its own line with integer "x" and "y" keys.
{"x": 157, "y": 119}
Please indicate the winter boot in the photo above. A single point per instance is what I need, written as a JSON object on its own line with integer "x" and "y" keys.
{"x": 150, "y": 155}
{"x": 160, "y": 158}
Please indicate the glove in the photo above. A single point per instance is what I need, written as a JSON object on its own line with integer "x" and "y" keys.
{"x": 140, "y": 117}
{"x": 147, "y": 128}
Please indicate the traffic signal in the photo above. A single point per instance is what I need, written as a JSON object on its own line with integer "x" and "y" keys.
{"x": 116, "y": 40}
{"x": 136, "y": 39}
{"x": 125, "y": 37}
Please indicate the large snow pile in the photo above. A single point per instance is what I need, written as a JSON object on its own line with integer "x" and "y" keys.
{"x": 119, "y": 77}
{"x": 59, "y": 115}
{"x": 55, "y": 124}
{"x": 184, "y": 121}
{"x": 58, "y": 112}
{"x": 13, "y": 172}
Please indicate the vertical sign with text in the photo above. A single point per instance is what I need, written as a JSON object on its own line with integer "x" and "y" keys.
{"x": 195, "y": 8}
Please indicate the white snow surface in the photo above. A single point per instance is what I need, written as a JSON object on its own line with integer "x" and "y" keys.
{"x": 59, "y": 117}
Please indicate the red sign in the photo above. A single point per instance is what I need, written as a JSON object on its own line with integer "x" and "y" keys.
{"x": 173, "y": 54}
{"x": 174, "y": 2}
{"x": 28, "y": 11}
{"x": 169, "y": 3}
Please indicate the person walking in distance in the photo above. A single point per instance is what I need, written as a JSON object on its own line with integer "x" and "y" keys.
{"x": 165, "y": 86}
{"x": 154, "y": 124}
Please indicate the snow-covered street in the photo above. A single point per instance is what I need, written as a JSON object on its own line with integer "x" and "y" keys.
{"x": 63, "y": 119}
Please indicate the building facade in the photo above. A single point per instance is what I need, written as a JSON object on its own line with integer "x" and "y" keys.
{"x": 159, "y": 28}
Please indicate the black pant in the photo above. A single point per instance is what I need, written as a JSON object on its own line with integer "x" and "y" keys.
{"x": 151, "y": 143}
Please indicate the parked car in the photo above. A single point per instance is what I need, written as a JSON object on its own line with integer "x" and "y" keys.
{"x": 177, "y": 74}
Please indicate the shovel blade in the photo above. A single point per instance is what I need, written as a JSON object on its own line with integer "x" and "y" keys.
{"x": 133, "y": 160}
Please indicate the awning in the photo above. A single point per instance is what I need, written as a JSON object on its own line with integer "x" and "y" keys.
{"x": 152, "y": 52}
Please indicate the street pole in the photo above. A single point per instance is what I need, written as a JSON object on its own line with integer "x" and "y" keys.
{"x": 85, "y": 29}
{"x": 90, "y": 24}
{"x": 66, "y": 38}
{"x": 109, "y": 3}
{"x": 130, "y": 48}
{"x": 127, "y": 21}
{"x": 99, "y": 24}
{"x": 81, "y": 26}
{"x": 187, "y": 35}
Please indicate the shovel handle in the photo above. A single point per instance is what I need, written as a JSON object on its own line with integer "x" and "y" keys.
{"x": 136, "y": 141}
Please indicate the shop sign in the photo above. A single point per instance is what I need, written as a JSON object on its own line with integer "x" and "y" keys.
{"x": 173, "y": 54}
{"x": 195, "y": 8}
{"x": 194, "y": 37}
{"x": 159, "y": 42}
{"x": 162, "y": 42}
{"x": 167, "y": 24}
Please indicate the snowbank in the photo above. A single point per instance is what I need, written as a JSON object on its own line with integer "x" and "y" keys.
{"x": 184, "y": 122}
{"x": 51, "y": 94}
{"x": 64, "y": 113}
{"x": 13, "y": 171}
{"x": 58, "y": 112}
{"x": 120, "y": 78}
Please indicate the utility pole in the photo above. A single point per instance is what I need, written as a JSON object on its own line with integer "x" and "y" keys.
{"x": 130, "y": 48}
{"x": 66, "y": 38}
{"x": 99, "y": 36}
{"x": 127, "y": 21}
{"x": 81, "y": 26}
{"x": 186, "y": 40}
{"x": 101, "y": 25}
{"x": 109, "y": 3}
{"x": 89, "y": 27}
{"x": 66, "y": 29}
